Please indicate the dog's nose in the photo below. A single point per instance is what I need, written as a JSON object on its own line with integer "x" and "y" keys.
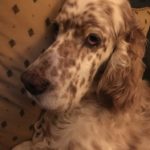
{"x": 34, "y": 83}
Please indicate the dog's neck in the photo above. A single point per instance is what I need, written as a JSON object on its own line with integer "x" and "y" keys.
{"x": 90, "y": 125}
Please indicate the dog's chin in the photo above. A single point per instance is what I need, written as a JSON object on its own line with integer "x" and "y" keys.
{"x": 49, "y": 102}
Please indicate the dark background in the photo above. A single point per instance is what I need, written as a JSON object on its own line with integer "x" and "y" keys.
{"x": 141, "y": 4}
{"x": 147, "y": 58}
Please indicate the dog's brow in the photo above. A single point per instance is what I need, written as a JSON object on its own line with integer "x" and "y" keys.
{"x": 70, "y": 23}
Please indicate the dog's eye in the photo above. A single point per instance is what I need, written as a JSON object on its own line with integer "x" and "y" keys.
{"x": 93, "y": 40}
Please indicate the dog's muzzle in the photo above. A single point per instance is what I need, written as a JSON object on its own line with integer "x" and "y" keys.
{"x": 35, "y": 83}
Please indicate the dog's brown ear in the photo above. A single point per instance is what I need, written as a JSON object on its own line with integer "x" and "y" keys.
{"x": 120, "y": 81}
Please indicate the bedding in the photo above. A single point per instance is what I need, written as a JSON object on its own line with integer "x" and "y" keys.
{"x": 24, "y": 33}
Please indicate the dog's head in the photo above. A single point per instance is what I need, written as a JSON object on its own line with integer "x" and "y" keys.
{"x": 87, "y": 33}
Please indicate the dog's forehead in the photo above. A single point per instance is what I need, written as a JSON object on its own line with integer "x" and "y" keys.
{"x": 99, "y": 9}
{"x": 80, "y": 5}
{"x": 78, "y": 12}
{"x": 77, "y": 8}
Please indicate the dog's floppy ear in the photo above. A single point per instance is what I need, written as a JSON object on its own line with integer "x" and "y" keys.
{"x": 123, "y": 73}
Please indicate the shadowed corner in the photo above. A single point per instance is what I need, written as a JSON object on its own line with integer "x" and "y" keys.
{"x": 147, "y": 58}
{"x": 139, "y": 3}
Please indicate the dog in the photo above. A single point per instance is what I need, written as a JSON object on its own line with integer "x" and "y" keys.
{"x": 90, "y": 80}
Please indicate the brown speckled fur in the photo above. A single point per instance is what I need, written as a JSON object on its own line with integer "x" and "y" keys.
{"x": 99, "y": 100}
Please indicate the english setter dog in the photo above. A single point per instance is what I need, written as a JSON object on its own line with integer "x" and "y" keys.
{"x": 90, "y": 80}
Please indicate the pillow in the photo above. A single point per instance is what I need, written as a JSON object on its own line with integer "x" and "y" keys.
{"x": 23, "y": 35}
{"x": 143, "y": 17}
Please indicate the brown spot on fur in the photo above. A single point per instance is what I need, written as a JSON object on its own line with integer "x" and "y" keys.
{"x": 64, "y": 96}
{"x": 92, "y": 8}
{"x": 132, "y": 147}
{"x": 61, "y": 64}
{"x": 96, "y": 146}
{"x": 85, "y": 12}
{"x": 98, "y": 55}
{"x": 67, "y": 25}
{"x": 71, "y": 4}
{"x": 67, "y": 34}
{"x": 70, "y": 24}
{"x": 56, "y": 137}
{"x": 78, "y": 67}
{"x": 92, "y": 20}
{"x": 92, "y": 71}
{"x": 76, "y": 81}
{"x": 105, "y": 48}
{"x": 69, "y": 75}
{"x": 82, "y": 82}
{"x": 89, "y": 5}
{"x": 69, "y": 62}
{"x": 43, "y": 66}
{"x": 72, "y": 62}
{"x": 54, "y": 71}
{"x": 89, "y": 57}
{"x": 67, "y": 49}
{"x": 83, "y": 56}
{"x": 71, "y": 146}
{"x": 65, "y": 75}
{"x": 63, "y": 52}
{"x": 78, "y": 33}
{"x": 73, "y": 89}
{"x": 109, "y": 11}
{"x": 64, "y": 12}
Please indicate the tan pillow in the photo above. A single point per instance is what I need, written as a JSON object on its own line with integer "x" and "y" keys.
{"x": 143, "y": 16}
{"x": 23, "y": 35}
